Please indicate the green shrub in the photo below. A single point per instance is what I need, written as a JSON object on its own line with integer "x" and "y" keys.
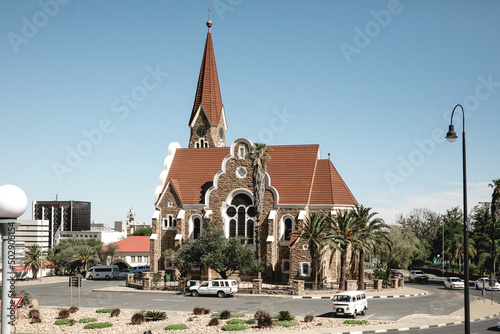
{"x": 285, "y": 323}
{"x": 190, "y": 319}
{"x": 237, "y": 315}
{"x": 232, "y": 328}
{"x": 226, "y": 314}
{"x": 26, "y": 301}
{"x": 215, "y": 315}
{"x": 87, "y": 320}
{"x": 155, "y": 315}
{"x": 250, "y": 321}
{"x": 285, "y": 316}
{"x": 176, "y": 327}
{"x": 156, "y": 277}
{"x": 61, "y": 322}
{"x": 236, "y": 322}
{"x": 104, "y": 310}
{"x": 98, "y": 325}
{"x": 356, "y": 322}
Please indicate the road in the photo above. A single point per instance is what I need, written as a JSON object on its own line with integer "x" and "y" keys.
{"x": 440, "y": 301}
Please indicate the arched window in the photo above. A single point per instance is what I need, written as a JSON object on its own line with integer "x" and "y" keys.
{"x": 241, "y": 216}
{"x": 287, "y": 225}
{"x": 195, "y": 227}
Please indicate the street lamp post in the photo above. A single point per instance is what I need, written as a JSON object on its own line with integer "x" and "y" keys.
{"x": 451, "y": 136}
{"x": 13, "y": 203}
{"x": 442, "y": 270}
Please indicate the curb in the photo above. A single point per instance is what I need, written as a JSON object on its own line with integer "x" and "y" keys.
{"x": 405, "y": 329}
{"x": 369, "y": 297}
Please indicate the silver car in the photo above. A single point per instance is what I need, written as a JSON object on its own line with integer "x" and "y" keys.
{"x": 453, "y": 283}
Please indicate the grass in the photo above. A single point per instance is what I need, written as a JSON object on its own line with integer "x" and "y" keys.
{"x": 104, "y": 310}
{"x": 176, "y": 327}
{"x": 285, "y": 323}
{"x": 98, "y": 325}
{"x": 233, "y": 328}
{"x": 356, "y": 322}
{"x": 87, "y": 320}
{"x": 61, "y": 322}
{"x": 236, "y": 322}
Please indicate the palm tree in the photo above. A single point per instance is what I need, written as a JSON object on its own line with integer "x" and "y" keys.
{"x": 33, "y": 259}
{"x": 459, "y": 250}
{"x": 373, "y": 231}
{"x": 84, "y": 256}
{"x": 259, "y": 156}
{"x": 110, "y": 251}
{"x": 317, "y": 232}
{"x": 495, "y": 216}
{"x": 347, "y": 229}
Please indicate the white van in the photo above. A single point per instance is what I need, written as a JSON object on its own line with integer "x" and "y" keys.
{"x": 350, "y": 303}
{"x": 104, "y": 271}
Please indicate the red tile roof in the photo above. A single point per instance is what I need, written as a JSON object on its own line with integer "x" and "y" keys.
{"x": 208, "y": 91}
{"x": 133, "y": 244}
{"x": 295, "y": 172}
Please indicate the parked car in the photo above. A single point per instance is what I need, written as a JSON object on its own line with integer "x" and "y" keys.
{"x": 140, "y": 269}
{"x": 350, "y": 303}
{"x": 484, "y": 282}
{"x": 123, "y": 273}
{"x": 453, "y": 283}
{"x": 220, "y": 287}
{"x": 396, "y": 273}
{"x": 102, "y": 271}
{"x": 418, "y": 276}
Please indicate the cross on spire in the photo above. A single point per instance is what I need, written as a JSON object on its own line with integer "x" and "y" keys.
{"x": 209, "y": 22}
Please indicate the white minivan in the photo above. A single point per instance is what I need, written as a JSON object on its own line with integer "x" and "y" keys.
{"x": 350, "y": 303}
{"x": 103, "y": 271}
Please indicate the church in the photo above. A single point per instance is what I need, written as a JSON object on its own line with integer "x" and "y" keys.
{"x": 210, "y": 182}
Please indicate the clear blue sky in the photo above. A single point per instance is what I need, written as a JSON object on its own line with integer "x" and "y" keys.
{"x": 372, "y": 82}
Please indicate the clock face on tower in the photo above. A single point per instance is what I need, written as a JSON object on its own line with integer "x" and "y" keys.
{"x": 201, "y": 130}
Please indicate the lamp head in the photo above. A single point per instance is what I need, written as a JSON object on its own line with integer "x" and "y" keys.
{"x": 451, "y": 136}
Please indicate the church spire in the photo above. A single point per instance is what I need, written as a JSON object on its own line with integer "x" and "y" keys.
{"x": 207, "y": 121}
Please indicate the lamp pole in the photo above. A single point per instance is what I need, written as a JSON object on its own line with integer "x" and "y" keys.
{"x": 442, "y": 271}
{"x": 451, "y": 136}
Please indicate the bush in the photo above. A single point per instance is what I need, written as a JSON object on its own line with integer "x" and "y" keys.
{"x": 115, "y": 313}
{"x": 226, "y": 314}
{"x": 156, "y": 277}
{"x": 286, "y": 323}
{"x": 258, "y": 314}
{"x": 98, "y": 325}
{"x": 206, "y": 311}
{"x": 64, "y": 313}
{"x": 73, "y": 309}
{"x": 237, "y": 315}
{"x": 71, "y": 322}
{"x": 215, "y": 315}
{"x": 285, "y": 316}
{"x": 61, "y": 322}
{"x": 309, "y": 318}
{"x": 138, "y": 319}
{"x": 236, "y": 322}
{"x": 87, "y": 320}
{"x": 155, "y": 315}
{"x": 176, "y": 327}
{"x": 250, "y": 322}
{"x": 264, "y": 320}
{"x": 232, "y": 328}
{"x": 213, "y": 322}
{"x": 190, "y": 319}
{"x": 356, "y": 322}
{"x": 198, "y": 310}
{"x": 33, "y": 313}
{"x": 36, "y": 319}
{"x": 104, "y": 310}
{"x": 26, "y": 301}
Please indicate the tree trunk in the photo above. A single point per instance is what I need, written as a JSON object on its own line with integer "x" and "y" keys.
{"x": 314, "y": 265}
{"x": 343, "y": 263}
{"x": 361, "y": 270}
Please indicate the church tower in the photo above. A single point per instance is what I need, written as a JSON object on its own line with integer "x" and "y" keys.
{"x": 208, "y": 120}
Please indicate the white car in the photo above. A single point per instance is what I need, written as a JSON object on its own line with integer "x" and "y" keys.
{"x": 220, "y": 287}
{"x": 123, "y": 273}
{"x": 453, "y": 283}
{"x": 484, "y": 282}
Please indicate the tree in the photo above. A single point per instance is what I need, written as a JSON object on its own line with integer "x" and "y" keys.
{"x": 85, "y": 256}
{"x": 33, "y": 259}
{"x": 62, "y": 254}
{"x": 373, "y": 231}
{"x": 459, "y": 250}
{"x": 259, "y": 156}
{"x": 346, "y": 228}
{"x": 402, "y": 249}
{"x": 317, "y": 232}
{"x": 109, "y": 251}
{"x": 143, "y": 231}
{"x": 495, "y": 215}
{"x": 224, "y": 255}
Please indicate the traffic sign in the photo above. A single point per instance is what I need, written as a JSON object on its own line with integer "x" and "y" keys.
{"x": 15, "y": 301}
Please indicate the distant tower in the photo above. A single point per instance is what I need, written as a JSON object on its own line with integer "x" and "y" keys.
{"x": 131, "y": 215}
{"x": 208, "y": 121}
